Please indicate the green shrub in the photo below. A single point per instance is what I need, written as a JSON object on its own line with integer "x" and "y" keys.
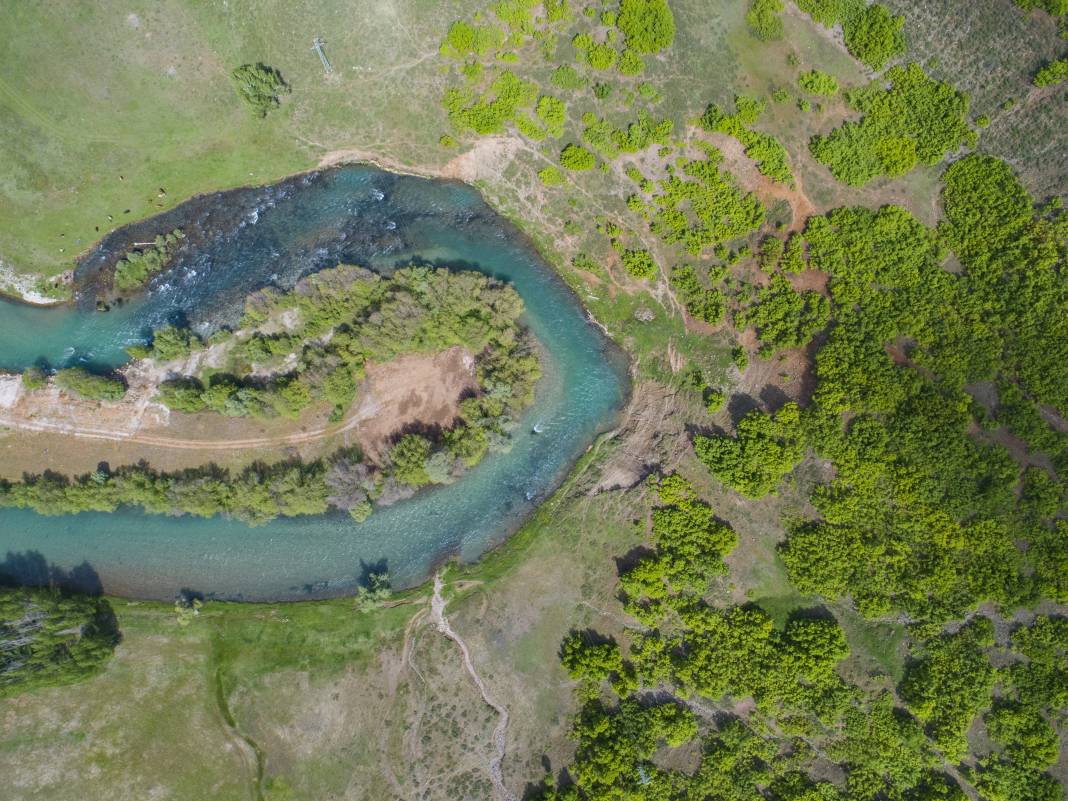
{"x": 52, "y": 639}
{"x": 766, "y": 448}
{"x": 1053, "y": 73}
{"x": 764, "y": 149}
{"x": 951, "y": 684}
{"x": 567, "y": 77}
{"x": 551, "y": 176}
{"x": 488, "y": 113}
{"x": 137, "y": 266}
{"x": 517, "y": 14}
{"x": 600, "y": 56}
{"x": 630, "y": 63}
{"x": 259, "y": 86}
{"x": 784, "y": 317}
{"x": 818, "y": 83}
{"x": 529, "y": 128}
{"x": 705, "y": 208}
{"x": 1055, "y": 7}
{"x": 639, "y": 264}
{"x": 764, "y": 21}
{"x": 875, "y": 36}
{"x": 463, "y": 39}
{"x": 409, "y": 457}
{"x": 574, "y": 157}
{"x": 90, "y": 385}
{"x": 34, "y": 378}
{"x": 872, "y": 34}
{"x": 553, "y": 113}
{"x": 701, "y": 302}
{"x": 648, "y": 25}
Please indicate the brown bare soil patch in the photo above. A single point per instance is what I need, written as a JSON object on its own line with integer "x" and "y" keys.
{"x": 651, "y": 430}
{"x": 487, "y": 158}
{"x": 410, "y": 391}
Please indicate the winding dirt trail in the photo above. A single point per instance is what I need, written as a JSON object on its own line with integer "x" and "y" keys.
{"x": 437, "y": 611}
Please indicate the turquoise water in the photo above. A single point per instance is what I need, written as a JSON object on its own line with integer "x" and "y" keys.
{"x": 244, "y": 240}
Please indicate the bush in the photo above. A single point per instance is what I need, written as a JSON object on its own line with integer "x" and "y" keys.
{"x": 463, "y": 39}
{"x": 259, "y": 86}
{"x": 705, "y": 208}
{"x": 639, "y": 263}
{"x": 34, "y": 378}
{"x": 764, "y": 149}
{"x": 648, "y": 25}
{"x": 601, "y": 56}
{"x": 553, "y": 113}
{"x": 818, "y": 83}
{"x": 52, "y": 639}
{"x": 576, "y": 158}
{"x": 409, "y": 458}
{"x": 784, "y": 317}
{"x": 1053, "y": 73}
{"x": 90, "y": 385}
{"x": 874, "y": 36}
{"x": 488, "y": 113}
{"x": 567, "y": 77}
{"x": 137, "y": 266}
{"x": 766, "y": 448}
{"x": 1055, "y": 7}
{"x": 551, "y": 176}
{"x": 764, "y": 21}
{"x": 701, "y": 303}
{"x": 630, "y": 63}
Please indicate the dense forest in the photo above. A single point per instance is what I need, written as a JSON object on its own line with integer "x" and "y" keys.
{"x": 935, "y": 428}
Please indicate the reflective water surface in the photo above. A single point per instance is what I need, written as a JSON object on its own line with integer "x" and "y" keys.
{"x": 240, "y": 241}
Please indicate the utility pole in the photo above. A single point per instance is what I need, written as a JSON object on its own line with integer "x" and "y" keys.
{"x": 317, "y": 46}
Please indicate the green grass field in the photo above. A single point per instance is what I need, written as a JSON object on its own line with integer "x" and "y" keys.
{"x": 104, "y": 104}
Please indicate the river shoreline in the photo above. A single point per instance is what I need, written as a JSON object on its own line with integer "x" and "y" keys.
{"x": 17, "y": 287}
{"x": 447, "y": 221}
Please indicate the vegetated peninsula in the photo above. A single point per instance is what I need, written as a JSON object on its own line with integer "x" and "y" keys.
{"x": 822, "y": 555}
{"x": 303, "y": 356}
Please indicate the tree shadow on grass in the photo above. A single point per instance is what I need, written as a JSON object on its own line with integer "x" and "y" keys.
{"x": 31, "y": 569}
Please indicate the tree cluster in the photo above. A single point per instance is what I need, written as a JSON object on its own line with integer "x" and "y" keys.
{"x": 50, "y": 638}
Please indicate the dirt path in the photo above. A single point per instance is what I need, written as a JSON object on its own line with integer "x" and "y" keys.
{"x": 751, "y": 180}
{"x": 184, "y": 444}
{"x": 409, "y": 388}
{"x": 437, "y": 611}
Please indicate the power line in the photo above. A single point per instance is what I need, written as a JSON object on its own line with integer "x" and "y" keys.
{"x": 317, "y": 46}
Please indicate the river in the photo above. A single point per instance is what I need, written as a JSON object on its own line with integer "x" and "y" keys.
{"x": 243, "y": 240}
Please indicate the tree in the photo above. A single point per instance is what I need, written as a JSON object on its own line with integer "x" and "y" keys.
{"x": 766, "y": 448}
{"x": 409, "y": 458}
{"x": 90, "y": 385}
{"x": 259, "y": 86}
{"x": 49, "y": 638}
